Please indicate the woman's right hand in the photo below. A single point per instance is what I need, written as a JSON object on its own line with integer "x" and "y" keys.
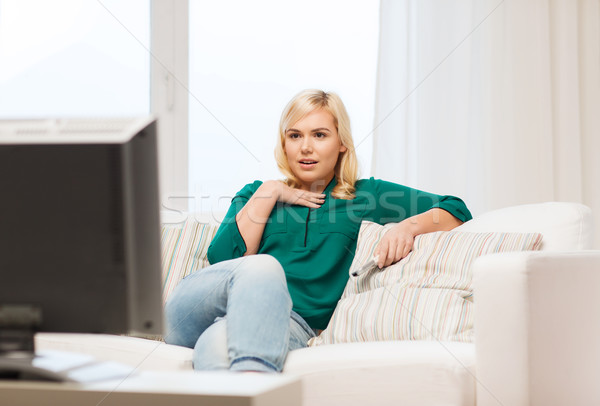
{"x": 287, "y": 194}
{"x": 254, "y": 215}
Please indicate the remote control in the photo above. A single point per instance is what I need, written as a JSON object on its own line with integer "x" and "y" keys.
{"x": 370, "y": 264}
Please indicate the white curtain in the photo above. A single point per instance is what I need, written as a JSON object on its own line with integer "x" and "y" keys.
{"x": 496, "y": 101}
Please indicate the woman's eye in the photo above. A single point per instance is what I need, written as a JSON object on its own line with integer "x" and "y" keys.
{"x": 294, "y": 135}
{"x": 320, "y": 135}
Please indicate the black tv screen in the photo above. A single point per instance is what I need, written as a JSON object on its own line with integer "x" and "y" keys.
{"x": 79, "y": 225}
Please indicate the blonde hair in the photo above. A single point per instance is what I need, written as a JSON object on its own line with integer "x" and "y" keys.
{"x": 305, "y": 102}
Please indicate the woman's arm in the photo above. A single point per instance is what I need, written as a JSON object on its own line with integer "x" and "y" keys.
{"x": 398, "y": 240}
{"x": 253, "y": 217}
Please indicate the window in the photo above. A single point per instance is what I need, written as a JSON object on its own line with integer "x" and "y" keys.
{"x": 247, "y": 59}
{"x": 74, "y": 58}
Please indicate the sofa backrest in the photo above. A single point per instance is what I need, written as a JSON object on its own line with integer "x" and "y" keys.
{"x": 174, "y": 217}
{"x": 565, "y": 226}
{"x": 185, "y": 239}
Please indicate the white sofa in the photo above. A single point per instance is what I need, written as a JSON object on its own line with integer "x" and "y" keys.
{"x": 537, "y": 333}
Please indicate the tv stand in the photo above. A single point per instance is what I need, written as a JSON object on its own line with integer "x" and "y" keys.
{"x": 18, "y": 324}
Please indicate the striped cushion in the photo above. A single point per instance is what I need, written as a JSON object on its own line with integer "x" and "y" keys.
{"x": 183, "y": 251}
{"x": 426, "y": 296}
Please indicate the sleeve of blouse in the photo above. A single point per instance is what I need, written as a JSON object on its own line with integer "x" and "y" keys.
{"x": 396, "y": 202}
{"x": 228, "y": 243}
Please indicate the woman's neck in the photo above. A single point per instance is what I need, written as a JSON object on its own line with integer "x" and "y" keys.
{"x": 317, "y": 186}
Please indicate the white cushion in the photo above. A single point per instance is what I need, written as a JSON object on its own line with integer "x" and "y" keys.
{"x": 565, "y": 226}
{"x": 140, "y": 353}
{"x": 391, "y": 373}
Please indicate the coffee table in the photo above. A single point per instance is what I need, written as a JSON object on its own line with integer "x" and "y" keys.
{"x": 179, "y": 388}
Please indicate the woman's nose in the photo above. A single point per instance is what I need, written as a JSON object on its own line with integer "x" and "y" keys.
{"x": 306, "y": 145}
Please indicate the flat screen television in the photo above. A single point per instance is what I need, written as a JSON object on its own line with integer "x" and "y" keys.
{"x": 79, "y": 228}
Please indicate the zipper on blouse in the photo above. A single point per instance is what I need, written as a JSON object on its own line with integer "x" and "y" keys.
{"x": 306, "y": 227}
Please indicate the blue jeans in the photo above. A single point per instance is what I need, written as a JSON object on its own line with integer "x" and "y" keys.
{"x": 236, "y": 315}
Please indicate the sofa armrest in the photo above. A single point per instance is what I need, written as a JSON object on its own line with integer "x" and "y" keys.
{"x": 537, "y": 328}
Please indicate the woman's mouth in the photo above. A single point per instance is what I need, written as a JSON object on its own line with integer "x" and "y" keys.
{"x": 307, "y": 163}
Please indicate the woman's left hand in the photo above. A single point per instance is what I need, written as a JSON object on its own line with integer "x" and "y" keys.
{"x": 396, "y": 243}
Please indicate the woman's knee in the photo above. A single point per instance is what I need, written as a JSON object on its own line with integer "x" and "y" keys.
{"x": 263, "y": 266}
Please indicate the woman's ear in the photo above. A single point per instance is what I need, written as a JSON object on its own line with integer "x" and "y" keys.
{"x": 343, "y": 148}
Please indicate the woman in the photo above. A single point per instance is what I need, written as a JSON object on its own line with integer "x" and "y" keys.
{"x": 280, "y": 259}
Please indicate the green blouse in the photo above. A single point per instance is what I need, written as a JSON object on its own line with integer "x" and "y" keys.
{"x": 316, "y": 246}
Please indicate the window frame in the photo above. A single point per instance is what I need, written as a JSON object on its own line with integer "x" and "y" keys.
{"x": 169, "y": 81}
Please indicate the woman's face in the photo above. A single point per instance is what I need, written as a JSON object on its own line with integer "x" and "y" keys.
{"x": 312, "y": 146}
